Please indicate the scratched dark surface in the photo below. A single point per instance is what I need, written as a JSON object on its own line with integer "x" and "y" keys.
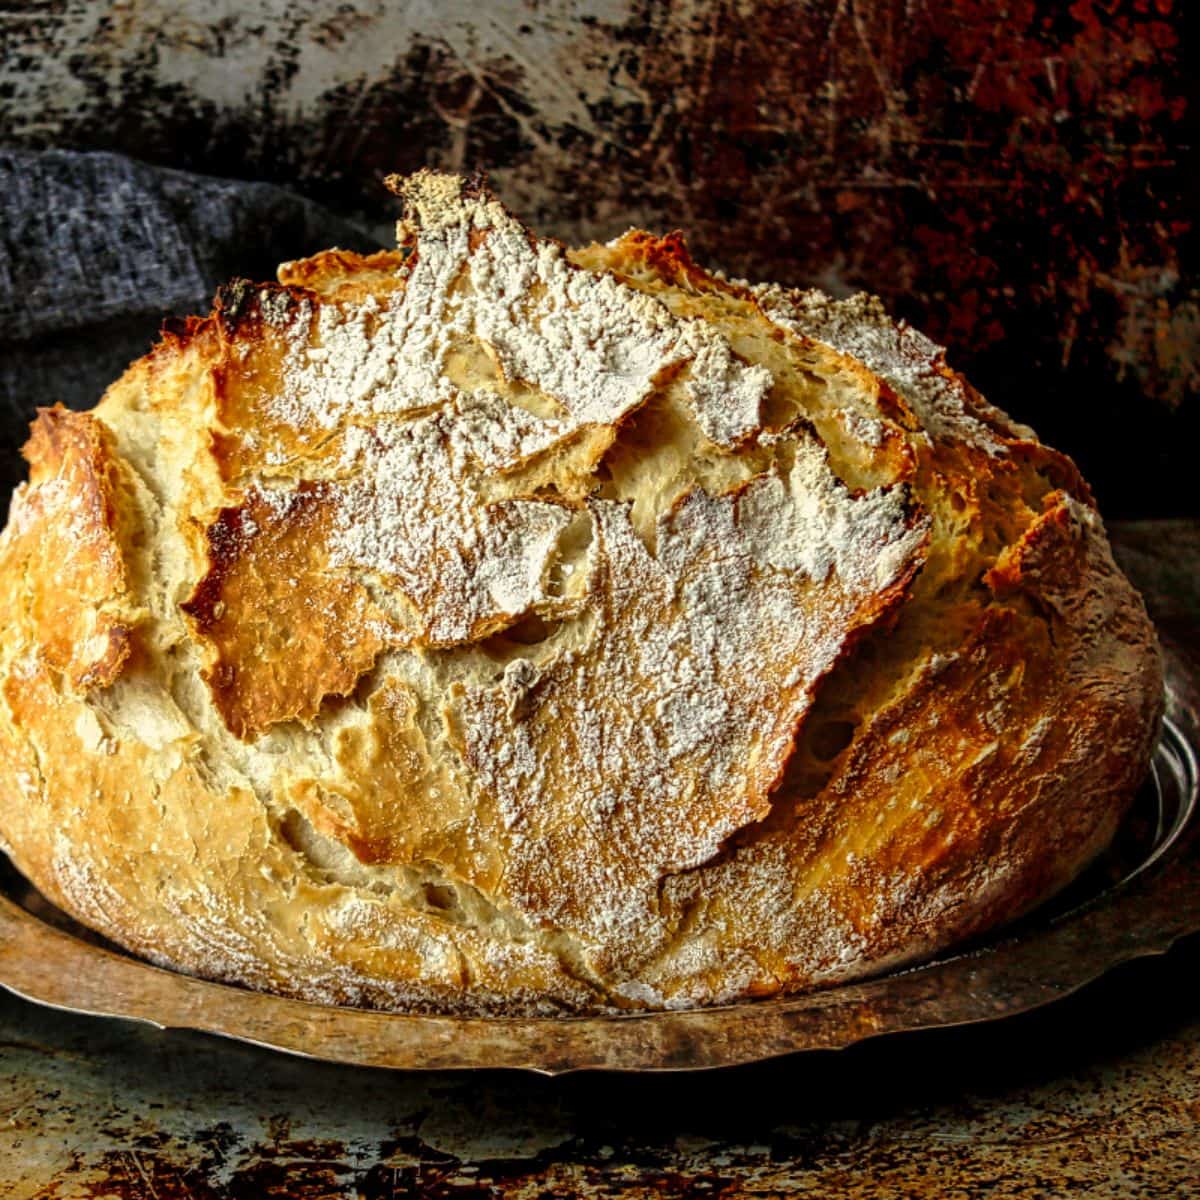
{"x": 1097, "y": 1096}
{"x": 1019, "y": 179}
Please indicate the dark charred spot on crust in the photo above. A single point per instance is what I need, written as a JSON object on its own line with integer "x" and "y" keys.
{"x": 228, "y": 538}
{"x": 475, "y": 185}
{"x": 242, "y": 303}
{"x": 232, "y": 300}
{"x": 225, "y": 537}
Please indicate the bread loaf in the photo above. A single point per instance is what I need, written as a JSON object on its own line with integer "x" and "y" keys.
{"x": 487, "y": 626}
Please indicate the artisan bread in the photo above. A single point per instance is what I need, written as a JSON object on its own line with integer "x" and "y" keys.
{"x": 486, "y": 626}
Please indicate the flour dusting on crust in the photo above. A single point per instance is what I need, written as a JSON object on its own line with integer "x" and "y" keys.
{"x": 588, "y": 342}
{"x": 407, "y": 512}
{"x": 683, "y": 702}
{"x": 908, "y": 361}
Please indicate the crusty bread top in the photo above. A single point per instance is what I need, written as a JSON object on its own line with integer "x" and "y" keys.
{"x": 720, "y": 634}
{"x": 534, "y": 627}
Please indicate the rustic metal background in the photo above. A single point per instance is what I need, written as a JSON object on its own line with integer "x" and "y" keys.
{"x": 1015, "y": 177}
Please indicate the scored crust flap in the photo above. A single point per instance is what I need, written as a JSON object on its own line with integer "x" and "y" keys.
{"x": 63, "y": 540}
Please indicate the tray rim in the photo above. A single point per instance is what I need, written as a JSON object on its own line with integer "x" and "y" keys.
{"x": 1143, "y": 916}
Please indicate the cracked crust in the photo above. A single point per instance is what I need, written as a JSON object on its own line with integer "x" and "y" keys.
{"x": 483, "y": 626}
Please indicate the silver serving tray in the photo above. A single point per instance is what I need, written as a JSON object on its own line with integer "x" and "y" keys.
{"x": 1141, "y": 897}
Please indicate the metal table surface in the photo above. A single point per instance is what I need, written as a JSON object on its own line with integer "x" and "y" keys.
{"x": 1098, "y": 1095}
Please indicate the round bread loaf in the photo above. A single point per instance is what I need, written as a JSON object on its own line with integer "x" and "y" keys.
{"x": 486, "y": 626}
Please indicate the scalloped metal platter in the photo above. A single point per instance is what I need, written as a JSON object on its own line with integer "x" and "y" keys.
{"x": 1138, "y": 900}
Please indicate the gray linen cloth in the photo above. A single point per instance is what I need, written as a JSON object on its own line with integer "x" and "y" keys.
{"x": 97, "y": 249}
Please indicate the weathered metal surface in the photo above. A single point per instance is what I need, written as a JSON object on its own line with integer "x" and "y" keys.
{"x": 1137, "y": 901}
{"x": 1097, "y": 1096}
{"x": 1016, "y": 178}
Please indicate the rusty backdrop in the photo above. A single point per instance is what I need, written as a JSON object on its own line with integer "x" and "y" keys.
{"x": 1017, "y": 178}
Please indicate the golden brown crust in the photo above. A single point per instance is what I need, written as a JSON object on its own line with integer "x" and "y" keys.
{"x": 63, "y": 541}
{"x": 480, "y": 626}
{"x": 286, "y": 630}
{"x": 380, "y": 804}
{"x": 342, "y": 274}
